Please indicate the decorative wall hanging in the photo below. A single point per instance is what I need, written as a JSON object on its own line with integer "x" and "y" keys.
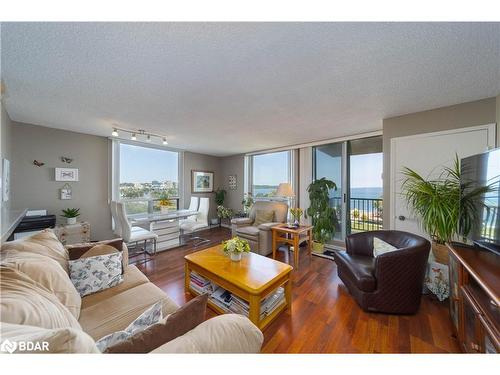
{"x": 66, "y": 192}
{"x": 38, "y": 163}
{"x": 66, "y": 174}
{"x": 202, "y": 182}
{"x": 232, "y": 182}
{"x": 65, "y": 159}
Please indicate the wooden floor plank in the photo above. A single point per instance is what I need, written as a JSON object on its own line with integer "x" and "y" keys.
{"x": 324, "y": 318}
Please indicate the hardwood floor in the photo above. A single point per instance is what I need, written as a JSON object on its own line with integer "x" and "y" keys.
{"x": 324, "y": 317}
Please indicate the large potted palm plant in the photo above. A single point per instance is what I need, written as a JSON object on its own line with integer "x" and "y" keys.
{"x": 445, "y": 206}
{"x": 324, "y": 217}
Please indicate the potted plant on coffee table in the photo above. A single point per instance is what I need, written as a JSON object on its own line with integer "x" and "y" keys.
{"x": 446, "y": 206}
{"x": 324, "y": 217}
{"x": 71, "y": 214}
{"x": 235, "y": 247}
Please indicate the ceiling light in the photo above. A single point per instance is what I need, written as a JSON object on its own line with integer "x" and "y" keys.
{"x": 134, "y": 138}
{"x": 165, "y": 141}
{"x": 115, "y": 132}
{"x": 148, "y": 139}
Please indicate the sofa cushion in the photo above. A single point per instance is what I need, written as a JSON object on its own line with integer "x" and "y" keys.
{"x": 23, "y": 301}
{"x": 176, "y": 324}
{"x": 117, "y": 312}
{"x": 48, "y": 273}
{"x": 228, "y": 333}
{"x": 358, "y": 268}
{"x": 96, "y": 273}
{"x": 263, "y": 216}
{"x": 248, "y": 231}
{"x": 59, "y": 340}
{"x": 132, "y": 277}
{"x": 148, "y": 318}
{"x": 44, "y": 243}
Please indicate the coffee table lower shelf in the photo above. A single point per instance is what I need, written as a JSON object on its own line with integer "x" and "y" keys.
{"x": 254, "y": 300}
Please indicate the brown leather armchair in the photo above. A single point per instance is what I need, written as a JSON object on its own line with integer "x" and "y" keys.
{"x": 391, "y": 282}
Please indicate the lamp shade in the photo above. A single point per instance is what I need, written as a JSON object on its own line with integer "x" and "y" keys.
{"x": 285, "y": 190}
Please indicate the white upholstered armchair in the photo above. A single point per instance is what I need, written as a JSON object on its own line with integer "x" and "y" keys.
{"x": 260, "y": 236}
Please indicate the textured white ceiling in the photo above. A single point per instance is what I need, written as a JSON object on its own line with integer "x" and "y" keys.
{"x": 225, "y": 88}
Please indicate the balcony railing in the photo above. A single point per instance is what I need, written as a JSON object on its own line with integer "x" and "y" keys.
{"x": 140, "y": 206}
{"x": 365, "y": 214}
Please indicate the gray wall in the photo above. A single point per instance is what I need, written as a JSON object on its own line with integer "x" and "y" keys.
{"x": 201, "y": 162}
{"x": 35, "y": 188}
{"x": 479, "y": 112}
{"x": 233, "y": 165}
{"x": 5, "y": 146}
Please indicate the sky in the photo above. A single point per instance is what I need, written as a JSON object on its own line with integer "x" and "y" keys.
{"x": 270, "y": 169}
{"x": 144, "y": 164}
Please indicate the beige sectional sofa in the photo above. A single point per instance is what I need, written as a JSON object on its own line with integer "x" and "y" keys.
{"x": 36, "y": 292}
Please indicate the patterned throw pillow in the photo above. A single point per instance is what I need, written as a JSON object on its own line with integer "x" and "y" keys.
{"x": 93, "y": 274}
{"x": 149, "y": 317}
{"x": 381, "y": 247}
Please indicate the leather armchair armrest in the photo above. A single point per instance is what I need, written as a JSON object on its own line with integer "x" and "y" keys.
{"x": 241, "y": 221}
{"x": 267, "y": 226}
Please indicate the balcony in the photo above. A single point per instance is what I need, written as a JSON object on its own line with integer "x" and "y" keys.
{"x": 365, "y": 214}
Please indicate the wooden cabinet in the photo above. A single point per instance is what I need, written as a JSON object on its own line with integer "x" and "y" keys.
{"x": 474, "y": 298}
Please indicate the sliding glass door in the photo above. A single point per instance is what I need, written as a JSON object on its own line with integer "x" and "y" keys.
{"x": 356, "y": 168}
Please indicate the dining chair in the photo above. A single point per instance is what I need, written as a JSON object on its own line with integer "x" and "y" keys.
{"x": 118, "y": 227}
{"x": 131, "y": 234}
{"x": 188, "y": 227}
{"x": 193, "y": 206}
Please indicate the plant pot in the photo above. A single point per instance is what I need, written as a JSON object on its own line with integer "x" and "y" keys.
{"x": 164, "y": 209}
{"x": 318, "y": 247}
{"x": 71, "y": 220}
{"x": 235, "y": 257}
{"x": 440, "y": 253}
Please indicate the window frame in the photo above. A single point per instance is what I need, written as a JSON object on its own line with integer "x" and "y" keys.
{"x": 115, "y": 174}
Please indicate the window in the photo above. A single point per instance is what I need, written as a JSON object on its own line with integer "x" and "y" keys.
{"x": 268, "y": 171}
{"x": 147, "y": 175}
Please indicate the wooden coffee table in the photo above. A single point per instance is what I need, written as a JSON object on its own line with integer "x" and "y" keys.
{"x": 251, "y": 279}
{"x": 292, "y": 236}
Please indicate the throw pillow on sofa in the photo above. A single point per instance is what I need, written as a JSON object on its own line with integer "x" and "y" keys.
{"x": 88, "y": 249}
{"x": 97, "y": 273}
{"x": 46, "y": 272}
{"x": 176, "y": 324}
{"x": 146, "y": 319}
{"x": 381, "y": 247}
{"x": 58, "y": 340}
{"x": 24, "y": 301}
{"x": 44, "y": 243}
{"x": 263, "y": 216}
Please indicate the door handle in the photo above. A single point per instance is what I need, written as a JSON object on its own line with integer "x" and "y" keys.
{"x": 401, "y": 217}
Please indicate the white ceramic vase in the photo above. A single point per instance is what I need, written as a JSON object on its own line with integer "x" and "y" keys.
{"x": 164, "y": 209}
{"x": 236, "y": 257}
{"x": 71, "y": 220}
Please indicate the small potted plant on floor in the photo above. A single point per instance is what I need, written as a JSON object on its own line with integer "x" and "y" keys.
{"x": 71, "y": 214}
{"x": 224, "y": 213}
{"x": 324, "y": 217}
{"x": 235, "y": 247}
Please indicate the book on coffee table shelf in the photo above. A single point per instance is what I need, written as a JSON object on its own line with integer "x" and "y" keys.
{"x": 231, "y": 303}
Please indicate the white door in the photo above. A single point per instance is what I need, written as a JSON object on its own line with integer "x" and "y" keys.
{"x": 426, "y": 154}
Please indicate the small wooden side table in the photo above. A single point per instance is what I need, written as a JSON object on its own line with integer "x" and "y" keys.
{"x": 292, "y": 236}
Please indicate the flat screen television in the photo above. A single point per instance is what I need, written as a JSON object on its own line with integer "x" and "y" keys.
{"x": 476, "y": 171}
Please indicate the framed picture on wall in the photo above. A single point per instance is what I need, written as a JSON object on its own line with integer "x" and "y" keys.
{"x": 202, "y": 182}
{"x": 66, "y": 174}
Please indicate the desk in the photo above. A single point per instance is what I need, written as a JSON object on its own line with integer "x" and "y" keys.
{"x": 165, "y": 225}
